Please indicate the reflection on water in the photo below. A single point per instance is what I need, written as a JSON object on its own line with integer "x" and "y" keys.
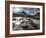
{"x": 25, "y": 23}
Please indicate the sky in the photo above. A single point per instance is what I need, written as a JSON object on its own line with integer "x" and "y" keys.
{"x": 31, "y": 11}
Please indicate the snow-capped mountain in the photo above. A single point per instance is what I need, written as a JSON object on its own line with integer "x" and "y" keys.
{"x": 28, "y": 12}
